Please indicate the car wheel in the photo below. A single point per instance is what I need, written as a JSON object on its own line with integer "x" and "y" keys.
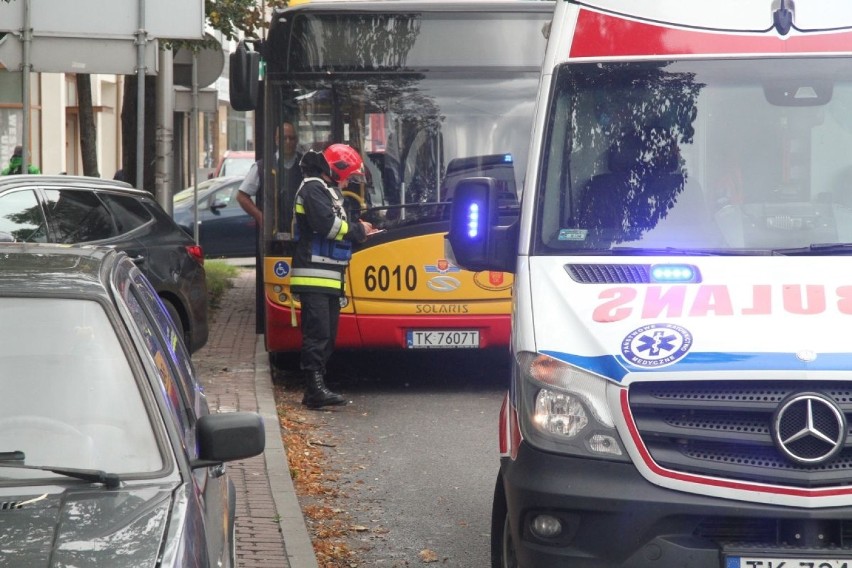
{"x": 502, "y": 545}
{"x": 175, "y": 315}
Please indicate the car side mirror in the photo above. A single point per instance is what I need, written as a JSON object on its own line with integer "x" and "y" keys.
{"x": 227, "y": 437}
{"x": 217, "y": 204}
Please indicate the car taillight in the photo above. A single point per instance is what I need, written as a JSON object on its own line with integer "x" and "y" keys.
{"x": 196, "y": 253}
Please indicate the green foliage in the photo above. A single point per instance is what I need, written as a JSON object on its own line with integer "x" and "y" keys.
{"x": 219, "y": 279}
{"x": 234, "y": 16}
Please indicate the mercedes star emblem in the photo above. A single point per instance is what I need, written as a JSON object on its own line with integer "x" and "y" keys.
{"x": 809, "y": 428}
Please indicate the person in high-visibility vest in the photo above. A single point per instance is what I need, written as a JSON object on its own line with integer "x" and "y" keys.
{"x": 324, "y": 237}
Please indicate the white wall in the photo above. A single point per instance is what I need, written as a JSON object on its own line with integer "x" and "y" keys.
{"x": 52, "y": 152}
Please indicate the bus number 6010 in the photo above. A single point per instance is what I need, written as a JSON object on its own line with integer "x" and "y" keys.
{"x": 383, "y": 278}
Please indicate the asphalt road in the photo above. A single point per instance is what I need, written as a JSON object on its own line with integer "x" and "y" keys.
{"x": 416, "y": 451}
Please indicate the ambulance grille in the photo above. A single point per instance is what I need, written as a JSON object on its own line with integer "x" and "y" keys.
{"x": 723, "y": 430}
{"x": 610, "y": 273}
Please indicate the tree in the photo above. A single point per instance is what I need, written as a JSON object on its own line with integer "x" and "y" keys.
{"x": 88, "y": 132}
{"x": 231, "y": 18}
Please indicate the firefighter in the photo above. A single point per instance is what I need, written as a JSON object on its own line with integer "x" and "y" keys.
{"x": 324, "y": 238}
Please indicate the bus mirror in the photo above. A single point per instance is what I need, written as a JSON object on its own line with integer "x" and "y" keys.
{"x": 473, "y": 216}
{"x": 243, "y": 69}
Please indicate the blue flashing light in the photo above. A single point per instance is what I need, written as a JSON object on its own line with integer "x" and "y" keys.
{"x": 473, "y": 220}
{"x": 675, "y": 273}
{"x": 507, "y": 159}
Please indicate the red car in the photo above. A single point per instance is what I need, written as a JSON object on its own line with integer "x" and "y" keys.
{"x": 234, "y": 163}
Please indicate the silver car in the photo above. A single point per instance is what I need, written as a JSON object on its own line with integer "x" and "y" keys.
{"x": 108, "y": 453}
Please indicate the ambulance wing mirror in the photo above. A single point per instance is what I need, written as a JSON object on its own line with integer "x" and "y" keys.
{"x": 244, "y": 70}
{"x": 476, "y": 240}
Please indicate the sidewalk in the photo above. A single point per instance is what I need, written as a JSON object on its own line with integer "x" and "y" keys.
{"x": 234, "y": 368}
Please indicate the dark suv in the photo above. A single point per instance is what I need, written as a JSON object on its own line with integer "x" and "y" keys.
{"x": 71, "y": 210}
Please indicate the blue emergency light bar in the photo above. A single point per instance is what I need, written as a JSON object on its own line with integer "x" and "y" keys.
{"x": 473, "y": 229}
{"x": 674, "y": 273}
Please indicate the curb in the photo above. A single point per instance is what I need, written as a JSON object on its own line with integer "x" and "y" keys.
{"x": 291, "y": 522}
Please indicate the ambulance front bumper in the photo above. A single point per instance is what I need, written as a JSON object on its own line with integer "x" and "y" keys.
{"x": 612, "y": 517}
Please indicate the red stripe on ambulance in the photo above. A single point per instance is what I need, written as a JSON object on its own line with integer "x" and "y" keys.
{"x": 603, "y": 35}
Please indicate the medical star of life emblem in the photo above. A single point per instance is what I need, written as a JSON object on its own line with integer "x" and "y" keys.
{"x": 809, "y": 428}
{"x": 656, "y": 345}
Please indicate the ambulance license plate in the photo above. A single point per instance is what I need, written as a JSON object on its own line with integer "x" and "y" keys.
{"x": 443, "y": 339}
{"x": 751, "y": 562}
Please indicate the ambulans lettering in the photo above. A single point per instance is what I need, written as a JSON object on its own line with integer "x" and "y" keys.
{"x": 653, "y": 302}
{"x": 442, "y": 308}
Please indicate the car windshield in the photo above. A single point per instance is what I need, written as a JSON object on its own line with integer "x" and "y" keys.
{"x": 733, "y": 156}
{"x": 69, "y": 397}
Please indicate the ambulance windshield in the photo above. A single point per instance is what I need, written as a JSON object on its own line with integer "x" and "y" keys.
{"x": 720, "y": 156}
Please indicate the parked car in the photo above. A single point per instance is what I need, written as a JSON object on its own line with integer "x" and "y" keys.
{"x": 68, "y": 209}
{"x": 234, "y": 163}
{"x": 224, "y": 228}
{"x": 109, "y": 455}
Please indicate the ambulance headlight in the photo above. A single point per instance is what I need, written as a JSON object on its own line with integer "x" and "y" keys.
{"x": 559, "y": 413}
{"x": 567, "y": 408}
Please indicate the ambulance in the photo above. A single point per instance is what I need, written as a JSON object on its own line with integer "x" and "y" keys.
{"x": 681, "y": 388}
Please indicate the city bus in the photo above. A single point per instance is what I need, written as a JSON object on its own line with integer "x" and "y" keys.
{"x": 429, "y": 93}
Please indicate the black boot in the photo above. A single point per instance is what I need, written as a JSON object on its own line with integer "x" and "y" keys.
{"x": 317, "y": 394}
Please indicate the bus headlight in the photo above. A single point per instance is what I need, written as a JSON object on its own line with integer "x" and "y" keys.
{"x": 567, "y": 408}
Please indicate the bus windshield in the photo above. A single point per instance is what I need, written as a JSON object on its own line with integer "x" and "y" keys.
{"x": 424, "y": 110}
{"x": 733, "y": 156}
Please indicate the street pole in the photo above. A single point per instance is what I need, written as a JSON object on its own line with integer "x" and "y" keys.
{"x": 193, "y": 146}
{"x": 163, "y": 180}
{"x": 26, "y": 66}
{"x": 141, "y": 40}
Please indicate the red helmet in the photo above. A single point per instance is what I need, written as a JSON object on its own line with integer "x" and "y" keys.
{"x": 344, "y": 162}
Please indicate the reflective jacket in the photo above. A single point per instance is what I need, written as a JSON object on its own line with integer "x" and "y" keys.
{"x": 323, "y": 239}
{"x": 16, "y": 166}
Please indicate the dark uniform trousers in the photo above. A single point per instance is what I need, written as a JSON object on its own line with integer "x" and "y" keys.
{"x": 320, "y": 314}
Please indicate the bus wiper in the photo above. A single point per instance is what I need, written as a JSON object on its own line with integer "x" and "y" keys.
{"x": 110, "y": 480}
{"x": 815, "y": 248}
